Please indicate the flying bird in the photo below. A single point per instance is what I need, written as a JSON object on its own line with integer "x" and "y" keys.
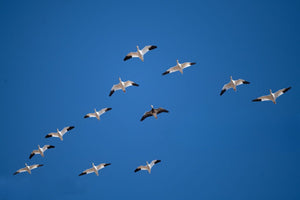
{"x": 97, "y": 113}
{"x": 153, "y": 112}
{"x": 121, "y": 86}
{"x": 28, "y": 168}
{"x": 273, "y": 96}
{"x": 61, "y": 133}
{"x": 148, "y": 166}
{"x": 94, "y": 169}
{"x": 40, "y": 150}
{"x": 140, "y": 53}
{"x": 179, "y": 67}
{"x": 233, "y": 84}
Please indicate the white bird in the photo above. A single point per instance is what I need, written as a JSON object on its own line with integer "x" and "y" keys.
{"x": 148, "y": 166}
{"x": 153, "y": 112}
{"x": 61, "y": 133}
{"x": 28, "y": 168}
{"x": 41, "y": 150}
{"x": 97, "y": 113}
{"x": 273, "y": 96}
{"x": 179, "y": 67}
{"x": 94, "y": 169}
{"x": 121, "y": 86}
{"x": 233, "y": 84}
{"x": 140, "y": 53}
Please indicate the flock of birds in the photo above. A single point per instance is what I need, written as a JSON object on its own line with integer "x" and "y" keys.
{"x": 153, "y": 112}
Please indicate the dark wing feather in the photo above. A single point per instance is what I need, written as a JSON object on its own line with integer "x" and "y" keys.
{"x": 160, "y": 110}
{"x": 147, "y": 114}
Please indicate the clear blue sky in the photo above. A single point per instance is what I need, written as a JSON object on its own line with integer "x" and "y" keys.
{"x": 59, "y": 60}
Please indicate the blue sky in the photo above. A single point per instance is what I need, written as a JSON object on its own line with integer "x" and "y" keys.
{"x": 59, "y": 60}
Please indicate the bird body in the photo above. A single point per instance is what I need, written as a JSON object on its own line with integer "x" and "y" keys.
{"x": 28, "y": 168}
{"x": 272, "y": 96}
{"x": 41, "y": 150}
{"x": 153, "y": 112}
{"x": 122, "y": 86}
{"x": 97, "y": 114}
{"x": 148, "y": 166}
{"x": 179, "y": 67}
{"x": 94, "y": 169}
{"x": 140, "y": 53}
{"x": 59, "y": 133}
{"x": 232, "y": 84}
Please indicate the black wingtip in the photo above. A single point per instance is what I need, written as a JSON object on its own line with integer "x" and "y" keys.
{"x": 246, "y": 82}
{"x": 107, "y": 164}
{"x": 136, "y": 170}
{"x": 157, "y": 161}
{"x": 15, "y": 173}
{"x": 152, "y": 47}
{"x": 86, "y": 116}
{"x": 135, "y": 84}
{"x": 193, "y": 63}
{"x": 222, "y": 92}
{"x": 47, "y": 136}
{"x": 286, "y": 89}
{"x": 31, "y": 155}
{"x": 127, "y": 57}
{"x": 166, "y": 72}
{"x": 70, "y": 128}
{"x": 83, "y": 173}
{"x": 107, "y": 109}
{"x": 254, "y": 100}
{"x": 111, "y": 92}
{"x": 40, "y": 165}
{"x": 51, "y": 147}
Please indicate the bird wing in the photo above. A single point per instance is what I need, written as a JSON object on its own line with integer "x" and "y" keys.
{"x": 130, "y": 55}
{"x": 66, "y": 129}
{"x": 114, "y": 88}
{"x": 148, "y": 48}
{"x": 88, "y": 171}
{"x": 130, "y": 83}
{"x": 45, "y": 147}
{"x": 146, "y": 114}
{"x": 35, "y": 166}
{"x": 281, "y": 92}
{"x": 187, "y": 64}
{"x": 160, "y": 110}
{"x": 101, "y": 166}
{"x": 171, "y": 70}
{"x": 33, "y": 153}
{"x": 90, "y": 115}
{"x": 154, "y": 162}
{"x": 141, "y": 168}
{"x": 52, "y": 135}
{"x": 263, "y": 98}
{"x": 241, "y": 81}
{"x": 226, "y": 87}
{"x": 20, "y": 170}
{"x": 104, "y": 110}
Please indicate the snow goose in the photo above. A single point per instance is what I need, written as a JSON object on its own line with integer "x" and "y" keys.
{"x": 273, "y": 96}
{"x": 153, "y": 112}
{"x": 233, "y": 84}
{"x": 40, "y": 150}
{"x": 28, "y": 168}
{"x": 61, "y": 133}
{"x": 121, "y": 86}
{"x": 148, "y": 166}
{"x": 94, "y": 169}
{"x": 140, "y": 53}
{"x": 97, "y": 113}
{"x": 179, "y": 67}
